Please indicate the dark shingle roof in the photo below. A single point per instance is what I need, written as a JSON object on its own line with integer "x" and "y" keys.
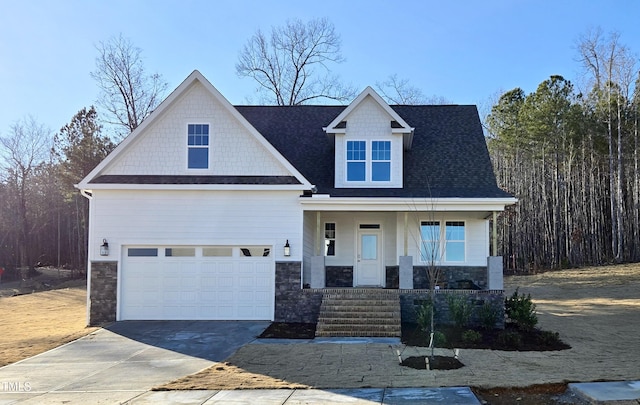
{"x": 448, "y": 157}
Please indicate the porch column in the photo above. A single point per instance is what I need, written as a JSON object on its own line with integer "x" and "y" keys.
{"x": 406, "y": 234}
{"x": 494, "y": 248}
{"x": 319, "y": 237}
{"x": 406, "y": 273}
{"x": 318, "y": 276}
{"x": 317, "y": 272}
{"x": 495, "y": 279}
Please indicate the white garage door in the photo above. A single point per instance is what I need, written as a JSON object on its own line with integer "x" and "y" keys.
{"x": 197, "y": 283}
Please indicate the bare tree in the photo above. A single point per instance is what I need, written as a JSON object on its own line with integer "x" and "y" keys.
{"x": 292, "y": 65}
{"x": 23, "y": 150}
{"x": 128, "y": 93}
{"x": 612, "y": 70}
{"x": 399, "y": 91}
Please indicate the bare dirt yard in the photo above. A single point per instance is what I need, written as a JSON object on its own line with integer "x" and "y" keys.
{"x": 34, "y": 322}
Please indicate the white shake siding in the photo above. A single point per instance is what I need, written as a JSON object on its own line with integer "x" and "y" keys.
{"x": 162, "y": 149}
{"x": 367, "y": 122}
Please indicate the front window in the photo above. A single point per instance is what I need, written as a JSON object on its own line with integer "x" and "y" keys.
{"x": 381, "y": 161}
{"x": 454, "y": 249}
{"x": 430, "y": 241}
{"x": 198, "y": 145}
{"x": 356, "y": 160}
{"x": 330, "y": 239}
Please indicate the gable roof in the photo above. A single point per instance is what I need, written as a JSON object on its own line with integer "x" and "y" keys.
{"x": 97, "y": 177}
{"x": 448, "y": 157}
{"x": 398, "y": 124}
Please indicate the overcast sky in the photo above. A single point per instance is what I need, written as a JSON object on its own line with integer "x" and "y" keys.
{"x": 464, "y": 51}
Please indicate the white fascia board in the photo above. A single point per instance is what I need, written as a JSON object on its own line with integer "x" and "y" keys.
{"x": 206, "y": 187}
{"x": 404, "y": 204}
{"x": 367, "y": 92}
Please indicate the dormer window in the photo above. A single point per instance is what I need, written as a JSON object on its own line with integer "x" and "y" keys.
{"x": 356, "y": 160}
{"x": 380, "y": 160}
{"x": 368, "y": 161}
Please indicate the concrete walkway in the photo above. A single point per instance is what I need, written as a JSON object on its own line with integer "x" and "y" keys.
{"x": 118, "y": 364}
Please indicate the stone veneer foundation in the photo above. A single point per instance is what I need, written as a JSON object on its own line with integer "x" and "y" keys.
{"x": 103, "y": 296}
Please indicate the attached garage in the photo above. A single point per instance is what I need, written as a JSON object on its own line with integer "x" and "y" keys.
{"x": 197, "y": 283}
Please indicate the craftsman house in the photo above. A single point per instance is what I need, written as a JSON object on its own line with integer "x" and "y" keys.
{"x": 209, "y": 211}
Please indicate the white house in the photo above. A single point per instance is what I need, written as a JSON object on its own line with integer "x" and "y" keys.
{"x": 219, "y": 212}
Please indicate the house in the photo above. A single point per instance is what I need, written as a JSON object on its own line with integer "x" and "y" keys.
{"x": 218, "y": 212}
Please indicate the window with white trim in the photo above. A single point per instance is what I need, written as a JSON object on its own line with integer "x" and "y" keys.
{"x": 454, "y": 241}
{"x": 198, "y": 146}
{"x": 356, "y": 160}
{"x": 430, "y": 241}
{"x": 368, "y": 161}
{"x": 380, "y": 161}
{"x": 330, "y": 239}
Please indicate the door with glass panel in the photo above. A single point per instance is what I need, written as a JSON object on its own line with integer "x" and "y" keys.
{"x": 369, "y": 256}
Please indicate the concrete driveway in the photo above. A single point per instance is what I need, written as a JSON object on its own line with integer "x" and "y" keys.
{"x": 118, "y": 363}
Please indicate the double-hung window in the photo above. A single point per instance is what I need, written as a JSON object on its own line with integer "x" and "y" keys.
{"x": 381, "y": 161}
{"x": 330, "y": 239}
{"x": 430, "y": 241}
{"x": 368, "y": 161}
{"x": 356, "y": 160}
{"x": 433, "y": 249}
{"x": 454, "y": 247}
{"x": 198, "y": 146}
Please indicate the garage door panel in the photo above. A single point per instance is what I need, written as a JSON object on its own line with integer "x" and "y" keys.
{"x": 224, "y": 288}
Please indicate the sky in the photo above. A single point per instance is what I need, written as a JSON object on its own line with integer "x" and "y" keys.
{"x": 466, "y": 51}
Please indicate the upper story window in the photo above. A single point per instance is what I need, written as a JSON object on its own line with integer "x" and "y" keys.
{"x": 198, "y": 146}
{"x": 368, "y": 161}
{"x": 356, "y": 160}
{"x": 380, "y": 160}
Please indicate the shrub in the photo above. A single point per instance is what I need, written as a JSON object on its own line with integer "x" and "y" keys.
{"x": 439, "y": 339}
{"x": 521, "y": 310}
{"x": 471, "y": 336}
{"x": 549, "y": 338}
{"x": 488, "y": 315}
{"x": 459, "y": 309}
{"x": 423, "y": 315}
{"x": 510, "y": 338}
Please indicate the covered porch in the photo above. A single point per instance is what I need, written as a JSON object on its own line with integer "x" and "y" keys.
{"x": 382, "y": 245}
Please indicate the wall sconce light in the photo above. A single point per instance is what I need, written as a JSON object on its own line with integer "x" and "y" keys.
{"x": 104, "y": 248}
{"x": 287, "y": 249}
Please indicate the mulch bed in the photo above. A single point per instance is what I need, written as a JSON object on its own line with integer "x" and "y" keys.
{"x": 435, "y": 363}
{"x": 509, "y": 339}
{"x": 290, "y": 330}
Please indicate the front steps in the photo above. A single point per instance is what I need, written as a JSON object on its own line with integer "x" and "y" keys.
{"x": 359, "y": 312}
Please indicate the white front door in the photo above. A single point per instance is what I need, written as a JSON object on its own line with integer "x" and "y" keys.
{"x": 369, "y": 256}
